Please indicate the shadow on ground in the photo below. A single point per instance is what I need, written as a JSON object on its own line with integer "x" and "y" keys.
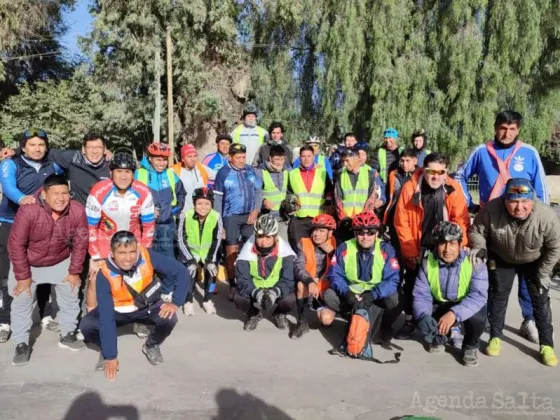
{"x": 89, "y": 405}
{"x": 235, "y": 406}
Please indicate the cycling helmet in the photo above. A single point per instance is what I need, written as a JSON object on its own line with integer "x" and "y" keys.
{"x": 290, "y": 204}
{"x": 324, "y": 221}
{"x": 159, "y": 149}
{"x": 203, "y": 192}
{"x": 224, "y": 136}
{"x": 446, "y": 232}
{"x": 365, "y": 220}
{"x": 122, "y": 161}
{"x": 314, "y": 140}
{"x": 266, "y": 225}
{"x": 250, "y": 108}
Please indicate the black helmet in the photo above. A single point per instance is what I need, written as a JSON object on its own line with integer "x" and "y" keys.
{"x": 203, "y": 192}
{"x": 290, "y": 204}
{"x": 266, "y": 225}
{"x": 250, "y": 108}
{"x": 122, "y": 161}
{"x": 446, "y": 232}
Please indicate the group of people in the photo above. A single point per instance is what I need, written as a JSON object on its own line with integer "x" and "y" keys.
{"x": 360, "y": 234}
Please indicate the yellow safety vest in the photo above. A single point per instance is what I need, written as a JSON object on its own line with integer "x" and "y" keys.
{"x": 144, "y": 177}
{"x": 271, "y": 193}
{"x": 465, "y": 274}
{"x": 312, "y": 201}
{"x": 200, "y": 245}
{"x": 351, "y": 267}
{"x": 354, "y": 200}
{"x": 236, "y": 134}
{"x": 382, "y": 159}
{"x": 271, "y": 280}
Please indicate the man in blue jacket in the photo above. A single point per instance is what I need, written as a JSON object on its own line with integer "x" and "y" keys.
{"x": 495, "y": 163}
{"x": 127, "y": 292}
{"x": 450, "y": 290}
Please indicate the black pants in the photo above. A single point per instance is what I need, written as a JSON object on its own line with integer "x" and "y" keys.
{"x": 246, "y": 304}
{"x": 299, "y": 228}
{"x": 501, "y": 283}
{"x": 474, "y": 326}
{"x": 408, "y": 286}
{"x": 209, "y": 285}
{"x": 5, "y": 229}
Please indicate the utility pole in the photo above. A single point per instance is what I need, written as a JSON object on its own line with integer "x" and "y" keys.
{"x": 156, "y": 127}
{"x": 170, "y": 136}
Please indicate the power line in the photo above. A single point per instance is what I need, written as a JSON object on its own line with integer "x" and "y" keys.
{"x": 21, "y": 57}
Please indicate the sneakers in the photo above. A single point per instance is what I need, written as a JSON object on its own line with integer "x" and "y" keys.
{"x": 209, "y": 307}
{"x": 50, "y": 324}
{"x": 140, "y": 330}
{"x": 406, "y": 331}
{"x": 494, "y": 347}
{"x": 79, "y": 335}
{"x": 100, "y": 365}
{"x": 280, "y": 321}
{"x": 153, "y": 354}
{"x": 528, "y": 330}
{"x": 436, "y": 348}
{"x": 188, "y": 309}
{"x": 470, "y": 357}
{"x": 4, "y": 332}
{"x": 252, "y": 322}
{"x": 548, "y": 357}
{"x": 21, "y": 357}
{"x": 69, "y": 341}
{"x": 301, "y": 328}
{"x": 456, "y": 337}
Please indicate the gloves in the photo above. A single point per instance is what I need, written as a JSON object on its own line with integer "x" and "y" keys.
{"x": 479, "y": 253}
{"x": 270, "y": 297}
{"x": 351, "y": 298}
{"x": 212, "y": 269}
{"x": 258, "y": 295}
{"x": 367, "y": 300}
{"x": 193, "y": 268}
{"x": 428, "y": 326}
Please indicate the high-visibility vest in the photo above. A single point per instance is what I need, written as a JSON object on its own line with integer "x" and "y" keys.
{"x": 382, "y": 159}
{"x": 200, "y": 245}
{"x": 144, "y": 176}
{"x": 503, "y": 168}
{"x": 203, "y": 172}
{"x": 351, "y": 267}
{"x": 321, "y": 160}
{"x": 236, "y": 133}
{"x": 271, "y": 193}
{"x": 354, "y": 200}
{"x": 308, "y": 249}
{"x": 312, "y": 201}
{"x": 144, "y": 275}
{"x": 271, "y": 280}
{"x": 465, "y": 274}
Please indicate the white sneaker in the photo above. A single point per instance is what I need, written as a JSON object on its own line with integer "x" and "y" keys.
{"x": 188, "y": 309}
{"x": 209, "y": 307}
{"x": 50, "y": 324}
{"x": 529, "y": 331}
{"x": 79, "y": 336}
{"x": 4, "y": 332}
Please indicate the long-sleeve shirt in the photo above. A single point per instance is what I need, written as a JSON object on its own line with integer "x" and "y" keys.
{"x": 322, "y": 259}
{"x": 319, "y": 160}
{"x": 237, "y": 191}
{"x": 186, "y": 253}
{"x": 376, "y": 190}
{"x": 278, "y": 179}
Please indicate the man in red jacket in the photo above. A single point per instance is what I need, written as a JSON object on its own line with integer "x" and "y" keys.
{"x": 48, "y": 244}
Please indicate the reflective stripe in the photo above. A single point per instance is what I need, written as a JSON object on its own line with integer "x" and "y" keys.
{"x": 354, "y": 200}
{"x": 271, "y": 193}
{"x": 351, "y": 267}
{"x": 145, "y": 176}
{"x": 312, "y": 201}
{"x": 465, "y": 274}
{"x": 273, "y": 276}
{"x": 199, "y": 246}
{"x": 236, "y": 135}
{"x": 382, "y": 159}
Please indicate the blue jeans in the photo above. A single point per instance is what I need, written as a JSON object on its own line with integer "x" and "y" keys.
{"x": 164, "y": 239}
{"x": 524, "y": 299}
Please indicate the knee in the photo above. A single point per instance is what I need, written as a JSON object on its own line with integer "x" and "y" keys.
{"x": 331, "y": 298}
{"x": 89, "y": 324}
{"x": 301, "y": 290}
{"x": 392, "y": 301}
{"x": 326, "y": 316}
{"x": 242, "y": 303}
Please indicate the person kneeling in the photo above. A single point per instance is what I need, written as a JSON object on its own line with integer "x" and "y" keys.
{"x": 128, "y": 292}
{"x": 312, "y": 265}
{"x": 450, "y": 290}
{"x": 265, "y": 275}
{"x": 364, "y": 281}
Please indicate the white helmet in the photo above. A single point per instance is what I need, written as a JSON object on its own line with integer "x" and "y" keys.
{"x": 266, "y": 225}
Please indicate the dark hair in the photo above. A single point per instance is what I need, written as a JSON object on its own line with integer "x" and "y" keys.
{"x": 224, "y": 136}
{"x": 123, "y": 237}
{"x": 409, "y": 152}
{"x": 436, "y": 158}
{"x": 508, "y": 117}
{"x": 349, "y": 152}
{"x": 276, "y": 124}
{"x": 419, "y": 133}
{"x": 308, "y": 148}
{"x": 33, "y": 132}
{"x": 349, "y": 135}
{"x": 53, "y": 180}
{"x": 93, "y": 136}
{"x": 277, "y": 150}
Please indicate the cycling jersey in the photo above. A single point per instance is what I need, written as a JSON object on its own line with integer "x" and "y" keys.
{"x": 237, "y": 191}
{"x": 215, "y": 161}
{"x": 108, "y": 212}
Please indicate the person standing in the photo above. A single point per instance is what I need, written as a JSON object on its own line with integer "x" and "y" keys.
{"x": 319, "y": 159}
{"x": 248, "y": 133}
{"x": 217, "y": 160}
{"x": 276, "y": 138}
{"x": 386, "y": 157}
{"x": 192, "y": 173}
{"x": 419, "y": 140}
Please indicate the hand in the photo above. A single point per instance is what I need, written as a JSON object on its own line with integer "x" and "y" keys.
{"x": 6, "y": 152}
{"x": 313, "y": 289}
{"x": 108, "y": 154}
{"x": 167, "y": 297}
{"x": 193, "y": 269}
{"x": 94, "y": 267}
{"x": 252, "y": 217}
{"x": 258, "y": 295}
{"x": 223, "y": 234}
{"x": 270, "y": 297}
{"x": 446, "y": 322}
{"x": 411, "y": 262}
{"x": 28, "y": 199}
{"x": 351, "y": 298}
{"x": 477, "y": 253}
{"x": 156, "y": 213}
{"x": 267, "y": 204}
{"x": 366, "y": 300}
{"x": 212, "y": 269}
{"x": 111, "y": 369}
{"x": 167, "y": 310}
{"x": 74, "y": 281}
{"x": 327, "y": 247}
{"x": 23, "y": 286}
{"x": 378, "y": 203}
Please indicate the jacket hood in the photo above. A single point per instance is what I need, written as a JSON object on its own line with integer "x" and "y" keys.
{"x": 246, "y": 254}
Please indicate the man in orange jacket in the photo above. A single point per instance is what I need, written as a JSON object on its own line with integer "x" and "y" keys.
{"x": 428, "y": 199}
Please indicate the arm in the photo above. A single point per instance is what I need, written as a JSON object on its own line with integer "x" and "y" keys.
{"x": 18, "y": 240}
{"x": 147, "y": 219}
{"x": 459, "y": 213}
{"x": 219, "y": 190}
{"x": 339, "y": 199}
{"x": 391, "y": 274}
{"x": 375, "y": 160}
{"x": 79, "y": 240}
{"x": 539, "y": 180}
{"x": 186, "y": 256}
{"x": 286, "y": 284}
{"x": 8, "y": 180}
{"x": 463, "y": 174}
{"x": 551, "y": 248}
{"x": 212, "y": 256}
{"x": 245, "y": 284}
{"x": 422, "y": 299}
{"x": 258, "y": 157}
{"x": 107, "y": 324}
{"x": 93, "y": 213}
{"x": 257, "y": 187}
{"x": 211, "y": 174}
{"x": 181, "y": 195}
{"x": 329, "y": 189}
{"x": 62, "y": 158}
{"x": 480, "y": 230}
{"x": 375, "y": 185}
{"x": 477, "y": 296}
{"x": 300, "y": 272}
{"x": 403, "y": 224}
{"x": 328, "y": 168}
{"x": 336, "y": 274}
{"x": 172, "y": 270}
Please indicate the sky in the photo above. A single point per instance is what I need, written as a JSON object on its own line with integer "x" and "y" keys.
{"x": 78, "y": 21}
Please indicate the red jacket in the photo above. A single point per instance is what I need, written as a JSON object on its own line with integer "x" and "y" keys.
{"x": 38, "y": 240}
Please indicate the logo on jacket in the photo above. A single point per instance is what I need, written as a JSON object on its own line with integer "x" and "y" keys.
{"x": 114, "y": 206}
{"x": 518, "y": 163}
{"x": 395, "y": 264}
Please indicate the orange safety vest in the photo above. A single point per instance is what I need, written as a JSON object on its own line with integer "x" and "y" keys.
{"x": 177, "y": 168}
{"x": 124, "y": 301}
{"x": 308, "y": 249}
{"x": 504, "y": 176}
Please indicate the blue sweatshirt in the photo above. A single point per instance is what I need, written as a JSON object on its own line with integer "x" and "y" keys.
{"x": 168, "y": 269}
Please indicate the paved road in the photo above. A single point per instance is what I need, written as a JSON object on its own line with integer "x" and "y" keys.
{"x": 215, "y": 370}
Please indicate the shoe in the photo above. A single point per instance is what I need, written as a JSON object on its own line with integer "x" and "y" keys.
{"x": 79, "y": 335}
{"x": 470, "y": 357}
{"x": 100, "y": 365}
{"x": 406, "y": 331}
{"x": 436, "y": 348}
{"x": 4, "y": 332}
{"x": 140, "y": 330}
{"x": 188, "y": 309}
{"x": 69, "y": 341}
{"x": 494, "y": 347}
{"x": 301, "y": 328}
{"x": 456, "y": 337}
{"x": 209, "y": 307}
{"x": 21, "y": 357}
{"x": 280, "y": 321}
{"x": 252, "y": 322}
{"x": 529, "y": 331}
{"x": 50, "y": 324}
{"x": 548, "y": 357}
{"x": 153, "y": 354}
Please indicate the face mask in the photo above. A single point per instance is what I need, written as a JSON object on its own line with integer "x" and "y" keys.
{"x": 267, "y": 250}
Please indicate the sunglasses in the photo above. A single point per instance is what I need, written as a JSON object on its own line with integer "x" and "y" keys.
{"x": 430, "y": 171}
{"x": 237, "y": 148}
{"x": 519, "y": 189}
{"x": 123, "y": 238}
{"x": 365, "y": 232}
{"x": 35, "y": 132}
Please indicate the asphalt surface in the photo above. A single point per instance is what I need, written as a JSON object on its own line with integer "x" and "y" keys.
{"x": 215, "y": 370}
